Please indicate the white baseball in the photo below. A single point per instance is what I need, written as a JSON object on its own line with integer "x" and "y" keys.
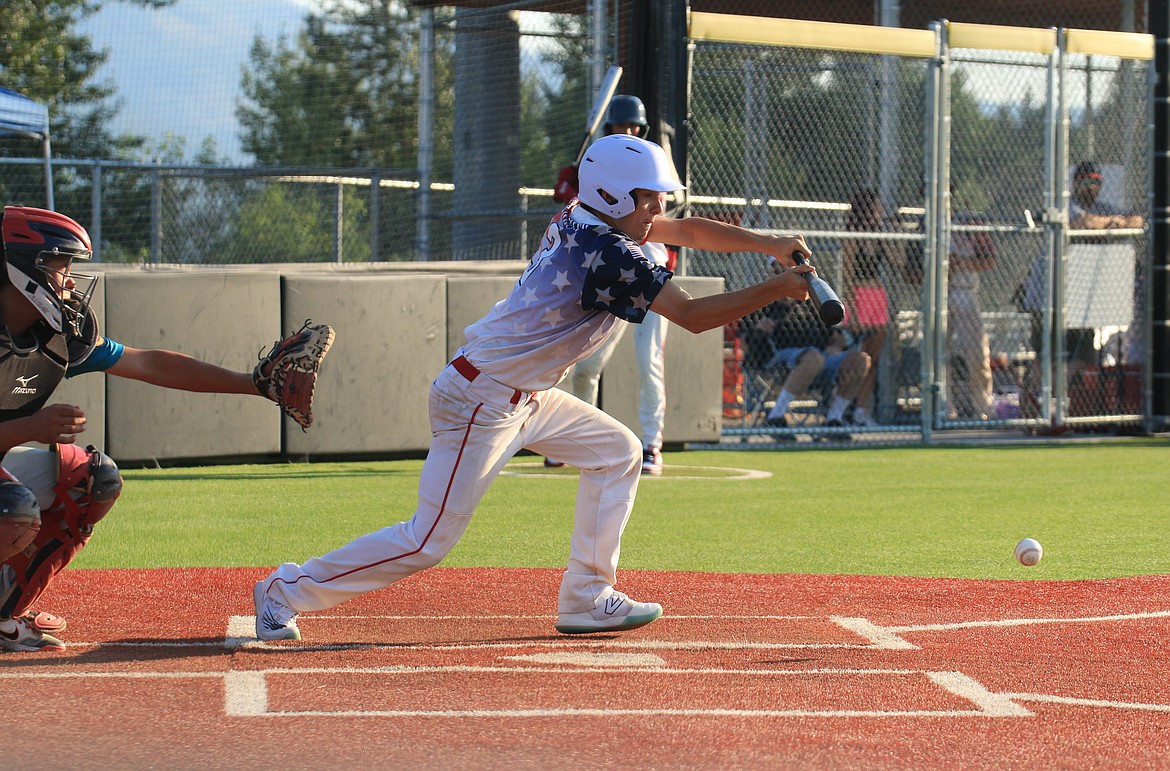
{"x": 1029, "y": 551}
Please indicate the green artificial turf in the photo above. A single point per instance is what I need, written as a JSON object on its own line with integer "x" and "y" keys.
{"x": 1099, "y": 510}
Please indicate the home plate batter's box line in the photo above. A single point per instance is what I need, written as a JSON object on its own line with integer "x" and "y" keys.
{"x": 246, "y": 694}
{"x": 241, "y": 634}
{"x": 889, "y": 637}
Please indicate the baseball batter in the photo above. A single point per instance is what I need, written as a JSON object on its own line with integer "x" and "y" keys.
{"x": 497, "y": 396}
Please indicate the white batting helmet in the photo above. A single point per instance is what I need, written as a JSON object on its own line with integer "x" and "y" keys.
{"x": 614, "y": 166}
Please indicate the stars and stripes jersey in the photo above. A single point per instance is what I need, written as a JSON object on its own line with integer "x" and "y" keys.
{"x": 584, "y": 279}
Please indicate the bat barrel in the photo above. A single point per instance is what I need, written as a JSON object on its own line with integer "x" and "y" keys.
{"x": 829, "y": 305}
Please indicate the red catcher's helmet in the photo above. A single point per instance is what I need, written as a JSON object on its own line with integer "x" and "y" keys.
{"x": 32, "y": 236}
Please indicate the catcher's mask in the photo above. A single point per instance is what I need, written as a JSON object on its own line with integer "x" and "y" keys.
{"x": 625, "y": 108}
{"x": 39, "y": 248}
{"x": 615, "y": 166}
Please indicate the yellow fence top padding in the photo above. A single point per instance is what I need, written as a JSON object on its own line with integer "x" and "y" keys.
{"x": 996, "y": 38}
{"x": 856, "y": 38}
{"x": 1124, "y": 45}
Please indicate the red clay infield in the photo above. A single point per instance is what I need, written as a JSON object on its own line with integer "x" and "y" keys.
{"x": 461, "y": 669}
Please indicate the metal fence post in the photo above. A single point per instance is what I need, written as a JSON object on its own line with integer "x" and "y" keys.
{"x": 95, "y": 210}
{"x": 426, "y": 143}
{"x": 339, "y": 225}
{"x": 1058, "y": 217}
{"x": 156, "y": 214}
{"x": 935, "y": 215}
{"x": 375, "y": 216}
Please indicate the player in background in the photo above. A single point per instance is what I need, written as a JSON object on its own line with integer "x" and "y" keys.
{"x": 627, "y": 115}
{"x": 498, "y": 396}
{"x": 1086, "y": 211}
{"x": 51, "y": 498}
{"x": 866, "y": 265}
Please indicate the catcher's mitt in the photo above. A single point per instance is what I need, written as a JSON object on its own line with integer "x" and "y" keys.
{"x": 293, "y": 375}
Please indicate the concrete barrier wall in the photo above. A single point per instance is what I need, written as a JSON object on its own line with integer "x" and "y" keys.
{"x": 391, "y": 342}
{"x": 220, "y": 317}
{"x": 396, "y": 328}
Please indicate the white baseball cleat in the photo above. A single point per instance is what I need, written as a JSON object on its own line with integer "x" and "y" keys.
{"x": 617, "y": 613}
{"x": 274, "y": 621}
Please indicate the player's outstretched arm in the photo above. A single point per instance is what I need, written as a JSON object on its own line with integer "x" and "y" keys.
{"x": 170, "y": 369}
{"x": 712, "y": 236}
{"x": 698, "y": 314}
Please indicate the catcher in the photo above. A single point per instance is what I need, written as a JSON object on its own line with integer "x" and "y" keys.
{"x": 51, "y": 498}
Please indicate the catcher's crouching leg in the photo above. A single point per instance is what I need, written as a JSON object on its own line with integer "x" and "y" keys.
{"x": 88, "y": 484}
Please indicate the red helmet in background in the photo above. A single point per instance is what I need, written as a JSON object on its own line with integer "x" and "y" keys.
{"x": 32, "y": 236}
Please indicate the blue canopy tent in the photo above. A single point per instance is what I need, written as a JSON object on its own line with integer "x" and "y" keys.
{"x": 22, "y": 116}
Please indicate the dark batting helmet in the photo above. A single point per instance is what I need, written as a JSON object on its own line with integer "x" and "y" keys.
{"x": 624, "y": 108}
{"x": 32, "y": 237}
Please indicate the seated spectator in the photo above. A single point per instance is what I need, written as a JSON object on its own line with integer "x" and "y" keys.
{"x": 788, "y": 334}
{"x": 865, "y": 262}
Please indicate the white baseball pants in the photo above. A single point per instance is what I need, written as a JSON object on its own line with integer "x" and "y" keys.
{"x": 477, "y": 427}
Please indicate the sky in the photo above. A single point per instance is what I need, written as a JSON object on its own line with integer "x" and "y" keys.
{"x": 177, "y": 69}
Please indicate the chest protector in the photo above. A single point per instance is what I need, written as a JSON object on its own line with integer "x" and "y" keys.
{"x": 31, "y": 370}
{"x": 30, "y": 373}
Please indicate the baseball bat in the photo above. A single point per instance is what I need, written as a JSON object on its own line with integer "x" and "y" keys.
{"x": 609, "y": 85}
{"x": 829, "y": 306}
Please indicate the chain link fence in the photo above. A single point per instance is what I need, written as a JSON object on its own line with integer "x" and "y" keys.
{"x": 935, "y": 186}
{"x": 937, "y": 190}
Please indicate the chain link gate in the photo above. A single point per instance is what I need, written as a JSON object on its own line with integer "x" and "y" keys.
{"x": 930, "y": 173}
{"x": 1057, "y": 295}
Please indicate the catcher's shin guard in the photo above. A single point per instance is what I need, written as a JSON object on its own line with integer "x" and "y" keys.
{"x": 88, "y": 484}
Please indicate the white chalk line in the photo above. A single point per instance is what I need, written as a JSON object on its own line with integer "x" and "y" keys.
{"x": 246, "y": 691}
{"x": 1027, "y": 622}
{"x": 246, "y": 695}
{"x": 241, "y": 634}
{"x": 889, "y": 637}
{"x": 732, "y": 473}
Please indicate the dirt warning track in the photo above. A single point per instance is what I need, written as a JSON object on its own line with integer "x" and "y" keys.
{"x": 462, "y": 669}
